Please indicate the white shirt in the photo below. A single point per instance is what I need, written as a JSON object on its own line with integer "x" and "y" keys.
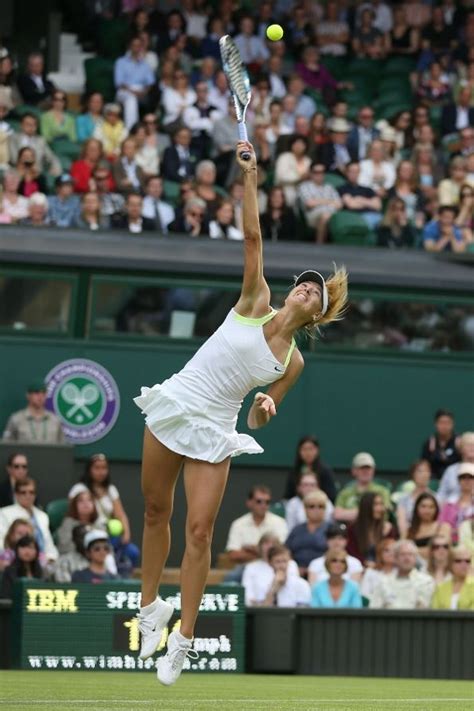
{"x": 165, "y": 211}
{"x": 277, "y": 86}
{"x": 194, "y": 121}
{"x": 219, "y": 100}
{"x": 245, "y": 532}
{"x": 252, "y": 48}
{"x": 449, "y": 489}
{"x": 258, "y": 576}
{"x": 9, "y": 513}
{"x": 317, "y": 568}
{"x": 216, "y": 231}
{"x": 295, "y": 512}
{"x": 175, "y": 103}
{"x": 462, "y": 118}
{"x": 407, "y": 593}
{"x": 368, "y": 178}
{"x": 370, "y": 580}
{"x": 296, "y": 592}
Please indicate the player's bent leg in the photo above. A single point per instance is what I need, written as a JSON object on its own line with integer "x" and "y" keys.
{"x": 160, "y": 469}
{"x": 204, "y": 486}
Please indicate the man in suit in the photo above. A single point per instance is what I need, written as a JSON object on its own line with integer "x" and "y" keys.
{"x": 154, "y": 208}
{"x": 28, "y": 136}
{"x": 133, "y": 221}
{"x": 179, "y": 162}
{"x": 362, "y": 133}
{"x": 336, "y": 155}
{"x": 34, "y": 87}
{"x": 17, "y": 470}
{"x": 458, "y": 116}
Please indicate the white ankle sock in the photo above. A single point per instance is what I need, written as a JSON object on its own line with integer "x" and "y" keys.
{"x": 181, "y": 637}
{"x": 148, "y": 609}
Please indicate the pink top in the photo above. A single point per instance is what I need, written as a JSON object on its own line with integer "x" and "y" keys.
{"x": 454, "y": 514}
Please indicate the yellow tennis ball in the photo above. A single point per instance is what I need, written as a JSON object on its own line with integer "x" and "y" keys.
{"x": 115, "y": 527}
{"x": 275, "y": 32}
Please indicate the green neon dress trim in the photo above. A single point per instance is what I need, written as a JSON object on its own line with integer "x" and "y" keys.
{"x": 261, "y": 322}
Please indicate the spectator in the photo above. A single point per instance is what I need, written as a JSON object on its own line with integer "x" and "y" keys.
{"x": 316, "y": 76}
{"x": 449, "y": 189}
{"x": 56, "y": 123}
{"x": 14, "y": 205}
{"x": 295, "y": 512}
{"x": 336, "y": 538}
{"x": 111, "y": 203}
{"x": 406, "y": 188}
{"x": 425, "y": 523}
{"x": 317, "y": 135}
{"x": 368, "y": 40}
{"x": 455, "y": 512}
{"x": 222, "y": 227}
{"x": 25, "y": 495}
{"x": 258, "y": 575}
{"x": 111, "y": 133}
{"x": 34, "y": 87}
{"x": 219, "y": 93}
{"x": 383, "y": 15}
{"x": 8, "y": 79}
{"x": 90, "y": 216}
{"x": 205, "y": 185}
{"x": 176, "y": 99}
{"x": 439, "y": 559}
{"x": 133, "y": 79}
{"x": 17, "y": 470}
{"x": 91, "y": 116}
{"x": 252, "y": 48}
{"x": 420, "y": 475}
{"x": 97, "y": 480}
{"x": 150, "y": 57}
{"x": 205, "y": 72}
{"x": 299, "y": 31}
{"x": 403, "y": 40}
{"x": 307, "y": 456}
{"x": 6, "y": 131}
{"x": 192, "y": 221}
{"x": 369, "y": 528}
{"x": 17, "y": 529}
{"x": 449, "y": 488}
{"x": 81, "y": 510}
{"x": 37, "y": 211}
{"x": 458, "y": 115}
{"x": 465, "y": 218}
{"x": 305, "y": 105}
{"x": 75, "y": 559}
{"x": 246, "y": 531}
{"x": 292, "y": 167}
{"x": 175, "y": 26}
{"x": 437, "y": 37}
{"x": 376, "y": 172}
{"x": 179, "y": 159}
{"x": 442, "y": 448}
{"x": 457, "y": 593}
{"x": 127, "y": 174}
{"x": 286, "y": 590}
{"x": 332, "y": 32}
{"x": 225, "y": 131}
{"x": 384, "y": 565}
{"x": 155, "y": 139}
{"x": 406, "y": 588}
{"x": 91, "y": 159}
{"x": 442, "y": 235}
{"x": 424, "y": 161}
{"x": 362, "y": 134}
{"x": 133, "y": 220}
{"x": 336, "y": 591}
{"x": 307, "y": 540}
{"x": 259, "y": 108}
{"x": 335, "y": 154}
{"x": 63, "y": 207}
{"x": 319, "y": 201}
{"x": 210, "y": 43}
{"x": 97, "y": 548}
{"x": 31, "y": 180}
{"x": 278, "y": 222}
{"x": 466, "y": 149}
{"x": 434, "y": 88}
{"x": 200, "y": 118}
{"x": 27, "y": 137}
{"x": 34, "y": 424}
{"x": 275, "y": 77}
{"x": 154, "y": 208}
{"x": 348, "y": 499}
{"x": 466, "y": 535}
{"x": 395, "y": 230}
{"x": 25, "y": 565}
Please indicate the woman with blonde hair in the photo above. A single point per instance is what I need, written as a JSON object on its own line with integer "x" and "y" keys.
{"x": 458, "y": 592}
{"x": 439, "y": 559}
{"x": 336, "y": 591}
{"x": 191, "y": 419}
{"x": 395, "y": 229}
{"x": 307, "y": 540}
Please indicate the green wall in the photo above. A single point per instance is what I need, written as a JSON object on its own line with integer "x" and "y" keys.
{"x": 383, "y": 404}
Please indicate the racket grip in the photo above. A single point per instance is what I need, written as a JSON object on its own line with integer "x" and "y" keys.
{"x": 245, "y": 155}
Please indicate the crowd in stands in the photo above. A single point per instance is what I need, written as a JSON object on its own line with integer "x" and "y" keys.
{"x": 323, "y": 545}
{"x": 362, "y": 118}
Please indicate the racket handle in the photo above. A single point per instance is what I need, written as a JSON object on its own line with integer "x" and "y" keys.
{"x": 245, "y": 155}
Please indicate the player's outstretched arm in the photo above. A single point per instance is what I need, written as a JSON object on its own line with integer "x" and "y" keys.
{"x": 254, "y": 299}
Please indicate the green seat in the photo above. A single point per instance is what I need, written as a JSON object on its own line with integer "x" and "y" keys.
{"x": 334, "y": 180}
{"x": 277, "y": 508}
{"x": 56, "y": 511}
{"x": 386, "y": 111}
{"x": 401, "y": 66}
{"x": 66, "y": 148}
{"x": 337, "y": 66}
{"x": 384, "y": 482}
{"x": 361, "y": 66}
{"x": 23, "y": 109}
{"x": 112, "y": 37}
{"x": 434, "y": 484}
{"x": 348, "y": 228}
{"x": 171, "y": 191}
{"x": 365, "y": 601}
{"x": 100, "y": 76}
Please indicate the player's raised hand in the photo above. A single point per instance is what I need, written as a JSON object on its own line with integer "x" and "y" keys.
{"x": 264, "y": 403}
{"x": 246, "y": 147}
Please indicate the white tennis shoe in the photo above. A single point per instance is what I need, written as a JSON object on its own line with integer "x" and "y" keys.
{"x": 152, "y": 620}
{"x": 171, "y": 664}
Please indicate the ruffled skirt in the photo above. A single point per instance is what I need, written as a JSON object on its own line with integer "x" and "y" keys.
{"x": 187, "y": 431}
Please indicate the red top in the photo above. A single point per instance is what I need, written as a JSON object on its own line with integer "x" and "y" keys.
{"x": 81, "y": 171}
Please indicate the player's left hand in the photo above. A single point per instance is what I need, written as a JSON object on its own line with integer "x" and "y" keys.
{"x": 264, "y": 403}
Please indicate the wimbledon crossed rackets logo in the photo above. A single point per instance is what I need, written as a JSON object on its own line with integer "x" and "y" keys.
{"x": 85, "y": 397}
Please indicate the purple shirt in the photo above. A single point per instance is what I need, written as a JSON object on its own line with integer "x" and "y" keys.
{"x": 320, "y": 79}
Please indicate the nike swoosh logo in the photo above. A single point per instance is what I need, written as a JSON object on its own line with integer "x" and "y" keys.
{"x": 279, "y": 370}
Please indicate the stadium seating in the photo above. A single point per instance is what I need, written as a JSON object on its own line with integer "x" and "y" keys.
{"x": 56, "y": 511}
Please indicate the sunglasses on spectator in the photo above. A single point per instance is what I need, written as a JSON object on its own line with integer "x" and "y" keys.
{"x": 263, "y": 501}
{"x": 101, "y": 547}
{"x": 462, "y": 560}
{"x": 196, "y": 214}
{"x": 315, "y": 506}
{"x": 337, "y": 560}
{"x": 436, "y": 546}
{"x": 19, "y": 466}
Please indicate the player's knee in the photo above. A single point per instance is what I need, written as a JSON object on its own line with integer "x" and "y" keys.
{"x": 157, "y": 512}
{"x": 199, "y": 534}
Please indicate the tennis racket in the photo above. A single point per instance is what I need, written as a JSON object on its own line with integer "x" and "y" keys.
{"x": 239, "y": 84}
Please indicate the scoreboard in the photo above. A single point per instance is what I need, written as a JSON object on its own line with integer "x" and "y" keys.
{"x": 94, "y": 627}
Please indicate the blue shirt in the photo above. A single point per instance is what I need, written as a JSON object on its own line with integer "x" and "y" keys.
{"x": 62, "y": 213}
{"x": 85, "y": 126}
{"x": 350, "y": 597}
{"x": 432, "y": 233}
{"x": 129, "y": 72}
{"x": 305, "y": 546}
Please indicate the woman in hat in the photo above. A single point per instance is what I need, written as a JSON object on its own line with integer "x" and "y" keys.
{"x": 191, "y": 420}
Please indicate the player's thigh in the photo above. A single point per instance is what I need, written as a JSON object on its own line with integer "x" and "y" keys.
{"x": 204, "y": 485}
{"x": 160, "y": 469}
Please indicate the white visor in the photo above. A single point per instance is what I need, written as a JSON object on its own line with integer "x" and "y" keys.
{"x": 311, "y": 275}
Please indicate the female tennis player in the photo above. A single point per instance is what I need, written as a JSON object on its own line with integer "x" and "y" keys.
{"x": 191, "y": 418}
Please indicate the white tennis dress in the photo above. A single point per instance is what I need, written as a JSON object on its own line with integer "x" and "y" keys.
{"x": 194, "y": 412}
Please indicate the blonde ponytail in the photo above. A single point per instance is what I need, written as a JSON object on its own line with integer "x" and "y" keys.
{"x": 337, "y": 297}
